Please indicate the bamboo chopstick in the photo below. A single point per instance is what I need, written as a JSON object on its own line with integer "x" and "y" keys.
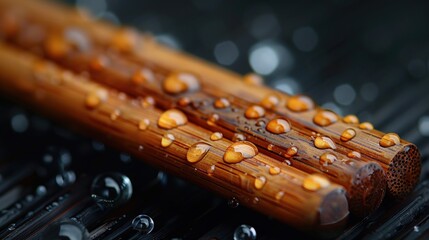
{"x": 364, "y": 181}
{"x": 399, "y": 158}
{"x": 287, "y": 129}
{"x": 172, "y": 143}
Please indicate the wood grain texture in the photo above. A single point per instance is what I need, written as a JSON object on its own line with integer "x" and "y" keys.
{"x": 63, "y": 95}
{"x": 402, "y": 159}
{"x": 364, "y": 180}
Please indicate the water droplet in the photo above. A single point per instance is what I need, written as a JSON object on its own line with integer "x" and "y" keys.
{"x": 389, "y": 139}
{"x": 279, "y": 195}
{"x": 353, "y": 154}
{"x": 239, "y": 151}
{"x": 366, "y": 126}
{"x": 274, "y": 170}
{"x": 147, "y": 102}
{"x": 211, "y": 169}
{"x": 416, "y": 229}
{"x": 177, "y": 83}
{"x": 197, "y": 152}
{"x": 141, "y": 148}
{"x": 111, "y": 189}
{"x": 213, "y": 118}
{"x": 238, "y": 137}
{"x": 260, "y": 123}
{"x": 65, "y": 229}
{"x": 56, "y": 47}
{"x": 125, "y": 40}
{"x": 221, "y": 103}
{"x": 94, "y": 99}
{"x": 233, "y": 202}
{"x": 244, "y": 232}
{"x": 254, "y": 112}
{"x": 260, "y": 182}
{"x": 167, "y": 139}
{"x": 29, "y": 198}
{"x": 59, "y": 156}
{"x": 171, "y": 119}
{"x": 18, "y": 205}
{"x": 291, "y": 151}
{"x": 348, "y": 135}
{"x": 115, "y": 114}
{"x": 255, "y": 200}
{"x": 253, "y": 79}
{"x": 324, "y": 143}
{"x": 327, "y": 159}
{"x": 270, "y": 101}
{"x": 77, "y": 38}
{"x": 41, "y": 190}
{"x": 184, "y": 101}
{"x": 216, "y": 136}
{"x": 199, "y": 103}
{"x": 278, "y": 126}
{"x": 12, "y": 227}
{"x": 143, "y": 223}
{"x": 65, "y": 179}
{"x": 315, "y": 182}
{"x": 351, "y": 119}
{"x": 325, "y": 118}
{"x": 98, "y": 63}
{"x": 300, "y": 103}
{"x": 142, "y": 76}
{"x": 144, "y": 124}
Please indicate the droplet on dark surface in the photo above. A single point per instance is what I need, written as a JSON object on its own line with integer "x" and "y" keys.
{"x": 111, "y": 189}
{"x": 65, "y": 230}
{"x": 245, "y": 232}
{"x": 143, "y": 223}
{"x": 233, "y": 202}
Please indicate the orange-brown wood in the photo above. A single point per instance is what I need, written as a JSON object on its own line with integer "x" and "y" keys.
{"x": 259, "y": 182}
{"x": 364, "y": 181}
{"x": 401, "y": 161}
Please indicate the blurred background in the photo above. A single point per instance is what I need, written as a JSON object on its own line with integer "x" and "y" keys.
{"x": 362, "y": 57}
